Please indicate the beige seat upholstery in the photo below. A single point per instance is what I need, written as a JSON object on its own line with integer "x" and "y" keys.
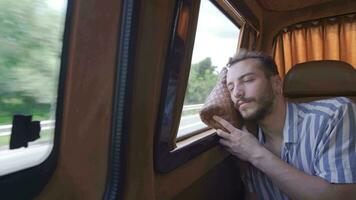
{"x": 319, "y": 80}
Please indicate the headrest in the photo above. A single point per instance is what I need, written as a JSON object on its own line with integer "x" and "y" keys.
{"x": 320, "y": 78}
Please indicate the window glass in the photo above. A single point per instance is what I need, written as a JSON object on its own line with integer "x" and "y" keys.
{"x": 216, "y": 40}
{"x": 31, "y": 42}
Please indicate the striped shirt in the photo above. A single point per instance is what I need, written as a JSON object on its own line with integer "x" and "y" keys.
{"x": 319, "y": 138}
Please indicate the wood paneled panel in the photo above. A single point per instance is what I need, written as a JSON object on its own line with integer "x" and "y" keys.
{"x": 82, "y": 163}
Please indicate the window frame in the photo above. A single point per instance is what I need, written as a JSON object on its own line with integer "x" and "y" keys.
{"x": 28, "y": 183}
{"x": 175, "y": 79}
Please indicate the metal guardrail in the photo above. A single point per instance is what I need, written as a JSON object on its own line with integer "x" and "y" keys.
{"x": 190, "y": 123}
{"x": 192, "y": 107}
{"x": 49, "y": 124}
{"x": 45, "y": 125}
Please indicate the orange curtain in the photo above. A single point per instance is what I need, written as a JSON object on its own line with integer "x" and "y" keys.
{"x": 326, "y": 39}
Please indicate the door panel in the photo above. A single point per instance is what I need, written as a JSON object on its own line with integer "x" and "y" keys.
{"x": 82, "y": 163}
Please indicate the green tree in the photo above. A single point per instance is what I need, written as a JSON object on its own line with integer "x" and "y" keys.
{"x": 31, "y": 40}
{"x": 202, "y": 79}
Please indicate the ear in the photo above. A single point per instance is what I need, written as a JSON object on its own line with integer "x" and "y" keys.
{"x": 277, "y": 85}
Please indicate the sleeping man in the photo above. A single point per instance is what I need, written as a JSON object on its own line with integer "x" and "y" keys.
{"x": 303, "y": 151}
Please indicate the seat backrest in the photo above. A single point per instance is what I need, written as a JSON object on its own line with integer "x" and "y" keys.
{"x": 319, "y": 80}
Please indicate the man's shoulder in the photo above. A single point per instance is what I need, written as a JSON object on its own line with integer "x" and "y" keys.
{"x": 336, "y": 101}
{"x": 325, "y": 107}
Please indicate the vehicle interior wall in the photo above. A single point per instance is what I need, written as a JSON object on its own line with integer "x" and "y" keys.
{"x": 223, "y": 181}
{"x": 82, "y": 163}
{"x": 142, "y": 181}
{"x": 153, "y": 28}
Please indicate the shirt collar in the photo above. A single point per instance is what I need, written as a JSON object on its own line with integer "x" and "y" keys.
{"x": 261, "y": 136}
{"x": 290, "y": 131}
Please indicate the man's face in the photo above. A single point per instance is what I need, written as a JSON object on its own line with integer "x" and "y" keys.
{"x": 250, "y": 89}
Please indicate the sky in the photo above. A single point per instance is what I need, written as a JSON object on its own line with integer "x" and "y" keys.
{"x": 216, "y": 36}
{"x": 57, "y": 4}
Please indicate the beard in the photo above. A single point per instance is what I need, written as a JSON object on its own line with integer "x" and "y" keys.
{"x": 262, "y": 108}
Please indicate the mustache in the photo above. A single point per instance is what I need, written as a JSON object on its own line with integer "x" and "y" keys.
{"x": 244, "y": 99}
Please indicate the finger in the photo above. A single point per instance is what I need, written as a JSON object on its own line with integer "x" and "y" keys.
{"x": 224, "y": 123}
{"x": 223, "y": 134}
{"x": 225, "y": 143}
{"x": 245, "y": 129}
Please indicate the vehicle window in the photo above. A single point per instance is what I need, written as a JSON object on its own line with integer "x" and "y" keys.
{"x": 216, "y": 40}
{"x": 31, "y": 42}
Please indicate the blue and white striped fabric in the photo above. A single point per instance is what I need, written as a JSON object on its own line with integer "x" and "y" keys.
{"x": 319, "y": 138}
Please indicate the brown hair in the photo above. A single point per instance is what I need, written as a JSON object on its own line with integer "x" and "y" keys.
{"x": 267, "y": 62}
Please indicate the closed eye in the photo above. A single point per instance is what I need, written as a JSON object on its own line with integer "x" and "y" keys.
{"x": 248, "y": 80}
{"x": 230, "y": 87}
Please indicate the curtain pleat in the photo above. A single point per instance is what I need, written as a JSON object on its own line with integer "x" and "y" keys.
{"x": 326, "y": 39}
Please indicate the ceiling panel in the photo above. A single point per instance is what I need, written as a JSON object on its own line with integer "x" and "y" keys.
{"x": 287, "y": 5}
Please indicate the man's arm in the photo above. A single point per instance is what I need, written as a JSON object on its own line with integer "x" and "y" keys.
{"x": 297, "y": 184}
{"x": 294, "y": 183}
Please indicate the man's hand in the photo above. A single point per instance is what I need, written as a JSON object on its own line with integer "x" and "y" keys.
{"x": 295, "y": 183}
{"x": 240, "y": 143}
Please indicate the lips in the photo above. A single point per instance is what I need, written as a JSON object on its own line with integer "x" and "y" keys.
{"x": 242, "y": 103}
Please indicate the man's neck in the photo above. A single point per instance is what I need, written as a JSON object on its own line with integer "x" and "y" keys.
{"x": 273, "y": 124}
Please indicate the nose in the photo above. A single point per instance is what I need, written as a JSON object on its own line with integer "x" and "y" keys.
{"x": 238, "y": 92}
